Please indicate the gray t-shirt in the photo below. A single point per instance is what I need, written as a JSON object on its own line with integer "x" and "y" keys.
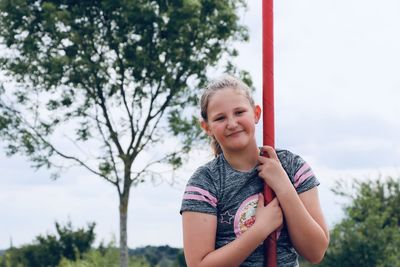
{"x": 231, "y": 195}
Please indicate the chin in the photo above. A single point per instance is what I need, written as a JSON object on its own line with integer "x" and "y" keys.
{"x": 238, "y": 147}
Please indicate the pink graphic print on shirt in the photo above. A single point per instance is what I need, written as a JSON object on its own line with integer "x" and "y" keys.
{"x": 246, "y": 216}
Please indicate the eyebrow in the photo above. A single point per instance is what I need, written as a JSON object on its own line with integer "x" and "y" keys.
{"x": 216, "y": 115}
{"x": 222, "y": 113}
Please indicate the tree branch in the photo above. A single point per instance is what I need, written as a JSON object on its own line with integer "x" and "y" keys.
{"x": 98, "y": 123}
{"x": 135, "y": 150}
{"x": 148, "y": 165}
{"x": 122, "y": 92}
{"x": 52, "y": 148}
{"x": 113, "y": 134}
{"x": 149, "y": 136}
{"x": 102, "y": 103}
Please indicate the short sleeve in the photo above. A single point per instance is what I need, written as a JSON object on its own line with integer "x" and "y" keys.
{"x": 200, "y": 193}
{"x": 298, "y": 170}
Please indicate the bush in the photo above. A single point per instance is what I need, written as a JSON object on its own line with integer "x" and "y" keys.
{"x": 369, "y": 235}
{"x": 106, "y": 257}
{"x": 48, "y": 250}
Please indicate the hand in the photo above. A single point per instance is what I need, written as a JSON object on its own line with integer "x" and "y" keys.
{"x": 271, "y": 170}
{"x": 270, "y": 217}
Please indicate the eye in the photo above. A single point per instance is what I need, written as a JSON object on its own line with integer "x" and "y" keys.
{"x": 239, "y": 112}
{"x": 219, "y": 118}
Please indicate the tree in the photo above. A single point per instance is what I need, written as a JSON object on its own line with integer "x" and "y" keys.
{"x": 49, "y": 249}
{"x": 75, "y": 242}
{"x": 121, "y": 74}
{"x": 369, "y": 235}
{"x": 161, "y": 256}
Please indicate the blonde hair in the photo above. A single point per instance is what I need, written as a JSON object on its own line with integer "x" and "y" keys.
{"x": 223, "y": 82}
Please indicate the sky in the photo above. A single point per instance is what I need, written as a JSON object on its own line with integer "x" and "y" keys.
{"x": 337, "y": 88}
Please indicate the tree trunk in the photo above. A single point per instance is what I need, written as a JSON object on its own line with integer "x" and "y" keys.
{"x": 123, "y": 231}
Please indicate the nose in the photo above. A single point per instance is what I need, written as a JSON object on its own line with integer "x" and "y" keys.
{"x": 231, "y": 123}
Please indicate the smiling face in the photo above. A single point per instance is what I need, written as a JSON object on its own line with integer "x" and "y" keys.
{"x": 231, "y": 119}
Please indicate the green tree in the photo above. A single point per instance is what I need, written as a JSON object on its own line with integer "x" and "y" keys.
{"x": 75, "y": 242}
{"x": 113, "y": 78}
{"x": 180, "y": 259}
{"x": 369, "y": 235}
{"x": 160, "y": 256}
{"x": 48, "y": 250}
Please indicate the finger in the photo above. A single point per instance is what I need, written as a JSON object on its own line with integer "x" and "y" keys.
{"x": 274, "y": 201}
{"x": 261, "y": 202}
{"x": 262, "y": 159}
{"x": 270, "y": 152}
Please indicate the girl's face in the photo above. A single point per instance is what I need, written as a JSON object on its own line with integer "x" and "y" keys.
{"x": 231, "y": 119}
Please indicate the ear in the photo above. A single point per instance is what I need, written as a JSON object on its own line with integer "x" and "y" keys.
{"x": 205, "y": 127}
{"x": 257, "y": 113}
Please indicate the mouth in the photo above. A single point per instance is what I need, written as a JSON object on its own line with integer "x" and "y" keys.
{"x": 234, "y": 133}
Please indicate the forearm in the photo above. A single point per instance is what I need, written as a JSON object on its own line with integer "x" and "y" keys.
{"x": 307, "y": 236}
{"x": 200, "y": 230}
{"x": 236, "y": 252}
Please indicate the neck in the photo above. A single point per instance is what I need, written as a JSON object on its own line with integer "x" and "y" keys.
{"x": 243, "y": 160}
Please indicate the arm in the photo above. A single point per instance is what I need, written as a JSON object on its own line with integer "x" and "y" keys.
{"x": 199, "y": 232}
{"x": 305, "y": 222}
{"x": 303, "y": 215}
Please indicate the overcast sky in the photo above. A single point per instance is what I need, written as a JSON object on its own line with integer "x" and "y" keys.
{"x": 337, "y": 94}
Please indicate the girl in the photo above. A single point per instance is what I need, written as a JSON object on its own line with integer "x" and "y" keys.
{"x": 224, "y": 218}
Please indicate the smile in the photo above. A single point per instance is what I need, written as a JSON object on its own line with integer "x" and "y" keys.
{"x": 235, "y": 133}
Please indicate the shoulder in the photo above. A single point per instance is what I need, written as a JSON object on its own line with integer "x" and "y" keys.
{"x": 289, "y": 159}
{"x": 298, "y": 170}
{"x": 207, "y": 175}
{"x": 209, "y": 169}
{"x": 202, "y": 190}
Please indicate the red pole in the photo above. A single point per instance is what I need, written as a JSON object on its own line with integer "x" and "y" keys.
{"x": 268, "y": 114}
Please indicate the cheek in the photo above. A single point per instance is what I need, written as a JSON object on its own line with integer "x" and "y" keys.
{"x": 248, "y": 121}
{"x": 219, "y": 129}
{"x": 250, "y": 124}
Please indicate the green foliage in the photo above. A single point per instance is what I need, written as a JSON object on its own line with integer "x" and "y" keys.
{"x": 162, "y": 256}
{"x": 107, "y": 257}
{"x": 148, "y": 256}
{"x": 48, "y": 250}
{"x": 114, "y": 68}
{"x": 75, "y": 242}
{"x": 369, "y": 235}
